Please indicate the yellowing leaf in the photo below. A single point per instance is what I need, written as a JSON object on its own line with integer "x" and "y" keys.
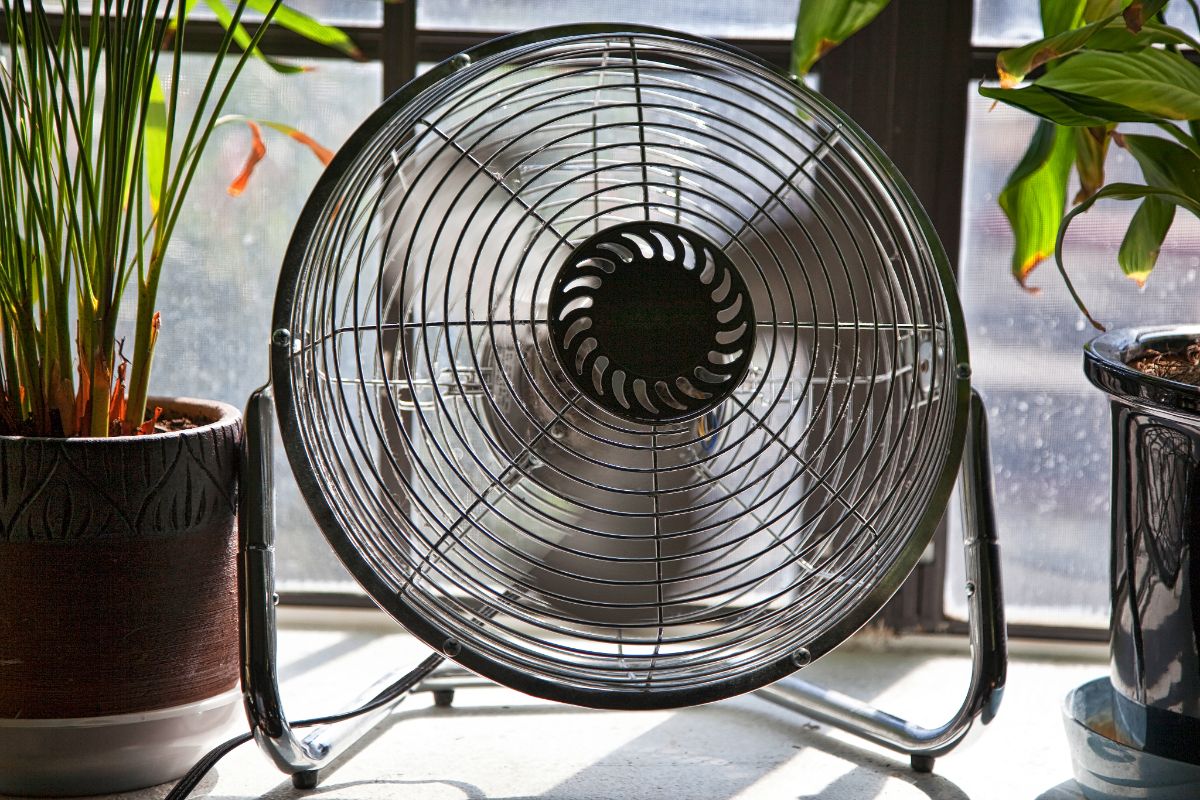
{"x": 1014, "y": 64}
{"x": 258, "y": 151}
{"x": 1091, "y": 147}
{"x": 244, "y": 40}
{"x": 323, "y": 154}
{"x": 1144, "y": 237}
{"x": 1035, "y": 196}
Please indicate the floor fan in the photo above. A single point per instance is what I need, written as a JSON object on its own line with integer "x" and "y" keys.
{"x": 624, "y": 371}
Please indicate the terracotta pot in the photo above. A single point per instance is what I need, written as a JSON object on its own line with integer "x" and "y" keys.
{"x": 118, "y": 603}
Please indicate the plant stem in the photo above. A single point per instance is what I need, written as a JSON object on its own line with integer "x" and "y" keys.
{"x": 145, "y": 337}
{"x": 101, "y": 380}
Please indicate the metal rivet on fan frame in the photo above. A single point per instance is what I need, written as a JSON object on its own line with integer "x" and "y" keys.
{"x": 281, "y": 337}
{"x": 970, "y": 588}
{"x": 451, "y": 648}
{"x": 963, "y": 371}
{"x": 802, "y": 658}
{"x": 461, "y": 60}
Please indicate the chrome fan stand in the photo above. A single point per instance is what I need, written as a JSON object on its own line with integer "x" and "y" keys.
{"x": 303, "y": 757}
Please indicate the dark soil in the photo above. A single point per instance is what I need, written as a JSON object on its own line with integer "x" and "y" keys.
{"x": 1183, "y": 367}
{"x": 170, "y": 423}
{"x": 177, "y": 423}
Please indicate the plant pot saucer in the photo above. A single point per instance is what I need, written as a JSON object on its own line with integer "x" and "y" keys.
{"x": 93, "y": 755}
{"x": 1107, "y": 769}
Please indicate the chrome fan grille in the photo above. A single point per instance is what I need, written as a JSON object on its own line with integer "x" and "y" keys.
{"x": 780, "y": 442}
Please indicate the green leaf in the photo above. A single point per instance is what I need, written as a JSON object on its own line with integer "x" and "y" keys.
{"x": 1035, "y": 195}
{"x": 154, "y": 142}
{"x": 1139, "y": 12}
{"x": 1165, "y": 164}
{"x": 1144, "y": 237}
{"x": 1152, "y": 81}
{"x": 1045, "y": 104}
{"x": 1101, "y": 18}
{"x": 1114, "y": 191}
{"x": 173, "y": 22}
{"x": 1180, "y": 136}
{"x": 821, "y": 25}
{"x": 1119, "y": 38}
{"x": 242, "y": 37}
{"x": 1102, "y": 109}
{"x": 1067, "y": 108}
{"x": 309, "y": 28}
{"x": 1061, "y": 15}
{"x": 1095, "y": 9}
{"x": 1167, "y": 34}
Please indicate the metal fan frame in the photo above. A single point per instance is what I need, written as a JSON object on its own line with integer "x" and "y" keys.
{"x": 310, "y": 483}
{"x": 304, "y": 758}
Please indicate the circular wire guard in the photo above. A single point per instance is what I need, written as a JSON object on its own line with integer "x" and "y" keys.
{"x": 542, "y": 535}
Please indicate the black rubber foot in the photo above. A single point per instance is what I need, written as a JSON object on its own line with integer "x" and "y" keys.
{"x": 922, "y": 764}
{"x": 306, "y": 780}
{"x": 443, "y": 698}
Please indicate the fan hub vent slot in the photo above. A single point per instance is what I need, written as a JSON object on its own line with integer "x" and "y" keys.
{"x": 652, "y": 322}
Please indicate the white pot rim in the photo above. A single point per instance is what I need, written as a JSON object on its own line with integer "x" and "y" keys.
{"x": 172, "y": 712}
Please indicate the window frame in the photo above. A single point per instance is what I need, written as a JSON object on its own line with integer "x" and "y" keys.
{"x": 906, "y": 94}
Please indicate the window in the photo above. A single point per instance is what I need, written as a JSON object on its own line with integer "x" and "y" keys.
{"x": 1049, "y": 427}
{"x": 218, "y": 288}
{"x": 743, "y": 19}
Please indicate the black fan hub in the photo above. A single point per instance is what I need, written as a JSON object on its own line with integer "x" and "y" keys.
{"x": 651, "y": 321}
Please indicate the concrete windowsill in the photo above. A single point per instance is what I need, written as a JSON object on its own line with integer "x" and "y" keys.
{"x": 496, "y": 743}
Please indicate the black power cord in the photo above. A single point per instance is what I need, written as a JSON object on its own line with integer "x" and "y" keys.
{"x": 187, "y": 784}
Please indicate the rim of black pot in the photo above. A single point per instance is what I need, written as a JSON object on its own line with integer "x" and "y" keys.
{"x": 227, "y": 415}
{"x": 1106, "y": 364}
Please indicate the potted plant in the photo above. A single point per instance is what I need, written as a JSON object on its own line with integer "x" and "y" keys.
{"x": 118, "y": 631}
{"x": 1101, "y": 66}
{"x": 1104, "y": 66}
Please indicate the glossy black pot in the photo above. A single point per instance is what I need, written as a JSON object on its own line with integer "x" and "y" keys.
{"x": 1155, "y": 578}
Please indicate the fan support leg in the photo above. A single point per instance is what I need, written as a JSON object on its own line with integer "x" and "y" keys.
{"x": 301, "y": 757}
{"x": 988, "y": 639}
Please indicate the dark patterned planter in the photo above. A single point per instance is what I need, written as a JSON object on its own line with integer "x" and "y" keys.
{"x": 118, "y": 586}
{"x": 1155, "y": 626}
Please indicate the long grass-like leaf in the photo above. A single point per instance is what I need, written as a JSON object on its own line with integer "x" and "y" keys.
{"x": 258, "y": 151}
{"x": 96, "y": 158}
{"x": 243, "y": 39}
{"x": 309, "y": 28}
